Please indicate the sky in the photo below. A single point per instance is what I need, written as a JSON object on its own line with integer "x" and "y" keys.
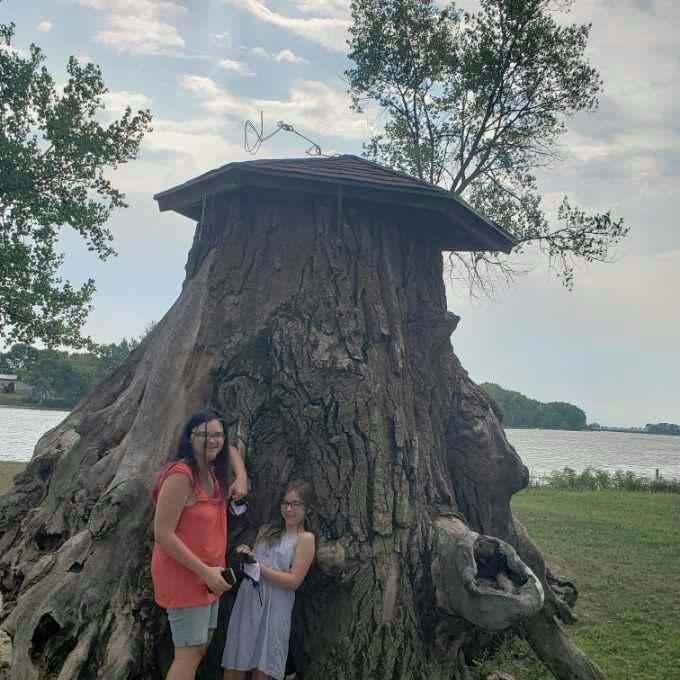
{"x": 611, "y": 346}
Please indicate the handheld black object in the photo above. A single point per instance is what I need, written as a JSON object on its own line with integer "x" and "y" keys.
{"x": 245, "y": 557}
{"x": 229, "y": 576}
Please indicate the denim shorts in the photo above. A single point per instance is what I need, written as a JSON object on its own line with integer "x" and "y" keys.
{"x": 190, "y": 625}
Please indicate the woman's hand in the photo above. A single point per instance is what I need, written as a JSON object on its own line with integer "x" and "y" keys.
{"x": 214, "y": 581}
{"x": 238, "y": 488}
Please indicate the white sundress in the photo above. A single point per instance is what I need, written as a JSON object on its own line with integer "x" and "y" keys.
{"x": 259, "y": 631}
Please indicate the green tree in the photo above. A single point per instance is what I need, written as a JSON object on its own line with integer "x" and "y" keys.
{"x": 19, "y": 356}
{"x": 520, "y": 411}
{"x": 114, "y": 354}
{"x": 63, "y": 378}
{"x": 476, "y": 102}
{"x": 54, "y": 155}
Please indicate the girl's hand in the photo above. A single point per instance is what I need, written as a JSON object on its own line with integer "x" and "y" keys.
{"x": 214, "y": 581}
{"x": 238, "y": 489}
{"x": 246, "y": 549}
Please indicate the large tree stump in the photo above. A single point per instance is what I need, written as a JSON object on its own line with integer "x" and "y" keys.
{"x": 321, "y": 332}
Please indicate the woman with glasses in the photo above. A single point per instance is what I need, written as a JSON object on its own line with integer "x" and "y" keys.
{"x": 259, "y": 626}
{"x": 190, "y": 532}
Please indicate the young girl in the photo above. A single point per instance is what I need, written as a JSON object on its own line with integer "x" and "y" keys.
{"x": 259, "y": 627}
{"x": 190, "y": 531}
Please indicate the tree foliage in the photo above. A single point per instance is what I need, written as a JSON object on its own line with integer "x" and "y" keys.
{"x": 516, "y": 410}
{"x": 662, "y": 428}
{"x": 476, "y": 102}
{"x": 60, "y": 378}
{"x": 54, "y": 158}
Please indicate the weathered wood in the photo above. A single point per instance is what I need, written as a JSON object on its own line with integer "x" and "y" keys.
{"x": 321, "y": 331}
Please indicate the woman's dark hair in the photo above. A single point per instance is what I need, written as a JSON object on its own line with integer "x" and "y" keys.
{"x": 274, "y": 530}
{"x": 185, "y": 452}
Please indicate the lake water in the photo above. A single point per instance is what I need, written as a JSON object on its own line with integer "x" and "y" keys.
{"x": 20, "y": 429}
{"x": 541, "y": 450}
{"x": 546, "y": 450}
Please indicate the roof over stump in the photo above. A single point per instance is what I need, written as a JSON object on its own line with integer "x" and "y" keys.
{"x": 349, "y": 177}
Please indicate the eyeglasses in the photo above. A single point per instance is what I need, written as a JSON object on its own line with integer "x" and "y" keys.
{"x": 293, "y": 505}
{"x": 209, "y": 435}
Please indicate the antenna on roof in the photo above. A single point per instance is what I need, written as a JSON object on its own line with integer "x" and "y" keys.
{"x": 253, "y": 146}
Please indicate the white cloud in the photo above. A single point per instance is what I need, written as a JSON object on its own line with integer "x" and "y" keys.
{"x": 205, "y": 87}
{"x": 283, "y": 55}
{"x": 287, "y": 55}
{"x": 327, "y": 8}
{"x": 311, "y": 106}
{"x": 140, "y": 7}
{"x": 139, "y": 35}
{"x": 44, "y": 26}
{"x": 236, "y": 67}
{"x": 214, "y": 99}
{"x": 139, "y": 26}
{"x": 175, "y": 151}
{"x": 329, "y": 32}
{"x": 117, "y": 101}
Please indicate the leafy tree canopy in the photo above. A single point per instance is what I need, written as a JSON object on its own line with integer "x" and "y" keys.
{"x": 61, "y": 378}
{"x": 476, "y": 102}
{"x": 54, "y": 156}
{"x": 516, "y": 410}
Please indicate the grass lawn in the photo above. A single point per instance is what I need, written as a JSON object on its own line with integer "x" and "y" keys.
{"x": 12, "y": 399}
{"x": 8, "y": 469}
{"x": 623, "y": 551}
{"x": 622, "y": 548}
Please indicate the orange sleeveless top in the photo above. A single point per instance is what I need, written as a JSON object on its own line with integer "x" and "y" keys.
{"x": 203, "y": 529}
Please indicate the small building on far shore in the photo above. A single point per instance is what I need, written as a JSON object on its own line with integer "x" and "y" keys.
{"x": 8, "y": 382}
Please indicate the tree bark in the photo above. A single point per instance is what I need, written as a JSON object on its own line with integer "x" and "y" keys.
{"x": 321, "y": 331}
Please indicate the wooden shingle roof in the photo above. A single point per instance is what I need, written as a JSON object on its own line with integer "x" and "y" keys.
{"x": 462, "y": 226}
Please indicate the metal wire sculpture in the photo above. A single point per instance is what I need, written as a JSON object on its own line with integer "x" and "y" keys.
{"x": 252, "y": 147}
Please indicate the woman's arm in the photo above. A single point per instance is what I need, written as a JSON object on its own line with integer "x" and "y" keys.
{"x": 239, "y": 487}
{"x": 172, "y": 498}
{"x": 302, "y": 560}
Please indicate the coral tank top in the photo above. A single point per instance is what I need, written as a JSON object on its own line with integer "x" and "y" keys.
{"x": 203, "y": 529}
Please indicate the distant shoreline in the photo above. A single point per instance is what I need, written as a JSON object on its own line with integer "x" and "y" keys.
{"x": 622, "y": 430}
{"x": 34, "y": 407}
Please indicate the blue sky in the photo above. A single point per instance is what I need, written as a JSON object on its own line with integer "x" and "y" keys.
{"x": 205, "y": 66}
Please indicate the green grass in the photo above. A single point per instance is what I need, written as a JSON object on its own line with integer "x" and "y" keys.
{"x": 592, "y": 479}
{"x": 12, "y": 399}
{"x": 21, "y": 401}
{"x": 8, "y": 469}
{"x": 623, "y": 551}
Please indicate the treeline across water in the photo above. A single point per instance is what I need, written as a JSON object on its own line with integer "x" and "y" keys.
{"x": 516, "y": 410}
{"x": 56, "y": 379}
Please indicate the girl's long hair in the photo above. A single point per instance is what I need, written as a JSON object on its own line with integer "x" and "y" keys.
{"x": 185, "y": 453}
{"x": 271, "y": 532}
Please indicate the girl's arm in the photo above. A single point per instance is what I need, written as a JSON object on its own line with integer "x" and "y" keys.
{"x": 239, "y": 487}
{"x": 172, "y": 498}
{"x": 302, "y": 560}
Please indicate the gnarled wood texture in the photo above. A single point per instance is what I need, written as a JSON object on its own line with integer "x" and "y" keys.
{"x": 321, "y": 331}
